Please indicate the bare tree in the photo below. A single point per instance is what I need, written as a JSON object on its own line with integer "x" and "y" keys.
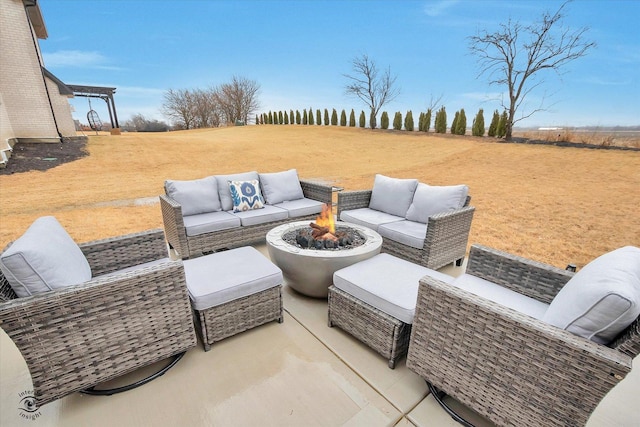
{"x": 206, "y": 108}
{"x": 510, "y": 62}
{"x": 373, "y": 89}
{"x": 238, "y": 99}
{"x": 178, "y": 106}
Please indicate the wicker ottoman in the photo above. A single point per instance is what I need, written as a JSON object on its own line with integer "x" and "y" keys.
{"x": 374, "y": 300}
{"x": 233, "y": 291}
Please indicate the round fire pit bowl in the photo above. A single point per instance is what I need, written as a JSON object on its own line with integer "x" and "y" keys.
{"x": 310, "y": 271}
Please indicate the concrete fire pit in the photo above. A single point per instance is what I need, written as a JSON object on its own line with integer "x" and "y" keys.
{"x": 310, "y": 271}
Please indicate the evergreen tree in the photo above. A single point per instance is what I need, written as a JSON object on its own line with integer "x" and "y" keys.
{"x": 326, "y": 117}
{"x": 408, "y": 121}
{"x": 373, "y": 121}
{"x": 384, "y": 120}
{"x": 493, "y": 126}
{"x": 305, "y": 120}
{"x": 298, "y": 117}
{"x": 318, "y": 117}
{"x": 421, "y": 122}
{"x": 454, "y": 123}
{"x": 461, "y": 124}
{"x": 334, "y": 117}
{"x": 311, "y": 116}
{"x": 502, "y": 125}
{"x": 352, "y": 119}
{"x": 292, "y": 118}
{"x": 343, "y": 118}
{"x": 441, "y": 121}
{"x": 427, "y": 121}
{"x": 362, "y": 119}
{"x": 270, "y": 118}
{"x": 397, "y": 121}
{"x": 286, "y": 118}
{"x": 477, "y": 128}
{"x": 280, "y": 118}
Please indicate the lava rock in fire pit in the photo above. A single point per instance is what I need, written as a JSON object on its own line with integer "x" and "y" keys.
{"x": 345, "y": 238}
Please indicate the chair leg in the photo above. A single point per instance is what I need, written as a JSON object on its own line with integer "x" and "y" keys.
{"x": 108, "y": 392}
{"x": 439, "y": 396}
{"x": 459, "y": 262}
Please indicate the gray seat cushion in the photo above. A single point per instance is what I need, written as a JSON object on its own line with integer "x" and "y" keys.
{"x": 387, "y": 283}
{"x": 226, "y": 276}
{"x": 45, "y": 257}
{"x": 408, "y": 233}
{"x": 602, "y": 299}
{"x": 368, "y": 217}
{"x": 301, "y": 207}
{"x": 261, "y": 216}
{"x": 501, "y": 295}
{"x": 210, "y": 222}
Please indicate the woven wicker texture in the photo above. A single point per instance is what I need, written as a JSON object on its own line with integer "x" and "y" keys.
{"x": 194, "y": 246}
{"x": 242, "y": 314}
{"x": 78, "y": 337}
{"x": 511, "y": 368}
{"x": 446, "y": 239}
{"x": 380, "y": 331}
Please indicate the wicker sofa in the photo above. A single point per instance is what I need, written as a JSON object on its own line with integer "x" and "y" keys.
{"x": 527, "y": 369}
{"x": 426, "y": 225}
{"x": 219, "y": 225}
{"x": 134, "y": 311}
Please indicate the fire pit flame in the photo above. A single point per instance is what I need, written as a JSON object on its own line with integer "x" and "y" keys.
{"x": 322, "y": 234}
{"x": 325, "y": 219}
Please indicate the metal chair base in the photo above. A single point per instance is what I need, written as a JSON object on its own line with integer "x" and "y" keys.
{"x": 439, "y": 396}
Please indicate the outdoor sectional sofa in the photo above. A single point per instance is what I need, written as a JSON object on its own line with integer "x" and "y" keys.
{"x": 228, "y": 211}
{"x": 427, "y": 225}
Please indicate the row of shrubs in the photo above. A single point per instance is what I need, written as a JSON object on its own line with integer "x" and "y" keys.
{"x": 497, "y": 128}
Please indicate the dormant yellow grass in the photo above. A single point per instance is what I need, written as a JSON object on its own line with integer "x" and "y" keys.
{"x": 552, "y": 204}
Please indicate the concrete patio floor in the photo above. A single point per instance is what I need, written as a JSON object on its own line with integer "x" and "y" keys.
{"x": 298, "y": 373}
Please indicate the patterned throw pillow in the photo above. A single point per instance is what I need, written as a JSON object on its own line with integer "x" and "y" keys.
{"x": 246, "y": 195}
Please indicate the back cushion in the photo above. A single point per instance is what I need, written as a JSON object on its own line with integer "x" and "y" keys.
{"x": 430, "y": 200}
{"x": 281, "y": 187}
{"x": 602, "y": 299}
{"x": 224, "y": 193}
{"x": 45, "y": 257}
{"x": 392, "y": 195}
{"x": 195, "y": 196}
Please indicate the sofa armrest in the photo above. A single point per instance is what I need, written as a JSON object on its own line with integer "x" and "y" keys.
{"x": 320, "y": 192}
{"x": 174, "y": 229}
{"x": 107, "y": 255}
{"x": 512, "y": 368}
{"x": 447, "y": 237}
{"x": 76, "y": 337}
{"x": 531, "y": 278}
{"x": 348, "y": 200}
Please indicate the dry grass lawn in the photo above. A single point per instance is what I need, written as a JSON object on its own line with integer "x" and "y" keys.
{"x": 556, "y": 205}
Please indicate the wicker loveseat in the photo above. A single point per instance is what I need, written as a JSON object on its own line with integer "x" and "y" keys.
{"x": 132, "y": 312}
{"x": 426, "y": 225}
{"x": 194, "y": 228}
{"x": 530, "y": 369}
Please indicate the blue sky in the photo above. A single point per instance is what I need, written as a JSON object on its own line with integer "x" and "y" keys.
{"x": 298, "y": 51}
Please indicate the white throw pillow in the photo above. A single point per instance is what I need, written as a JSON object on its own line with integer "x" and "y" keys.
{"x": 392, "y": 195}
{"x": 223, "y": 186}
{"x": 246, "y": 195}
{"x": 430, "y": 200}
{"x": 602, "y": 299}
{"x": 195, "y": 196}
{"x": 281, "y": 187}
{"x": 45, "y": 257}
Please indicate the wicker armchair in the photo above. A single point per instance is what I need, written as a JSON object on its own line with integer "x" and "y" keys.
{"x": 201, "y": 244}
{"x": 446, "y": 239}
{"x": 77, "y": 337}
{"x": 512, "y": 368}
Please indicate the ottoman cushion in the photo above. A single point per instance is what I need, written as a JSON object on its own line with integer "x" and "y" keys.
{"x": 225, "y": 276}
{"x": 387, "y": 283}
